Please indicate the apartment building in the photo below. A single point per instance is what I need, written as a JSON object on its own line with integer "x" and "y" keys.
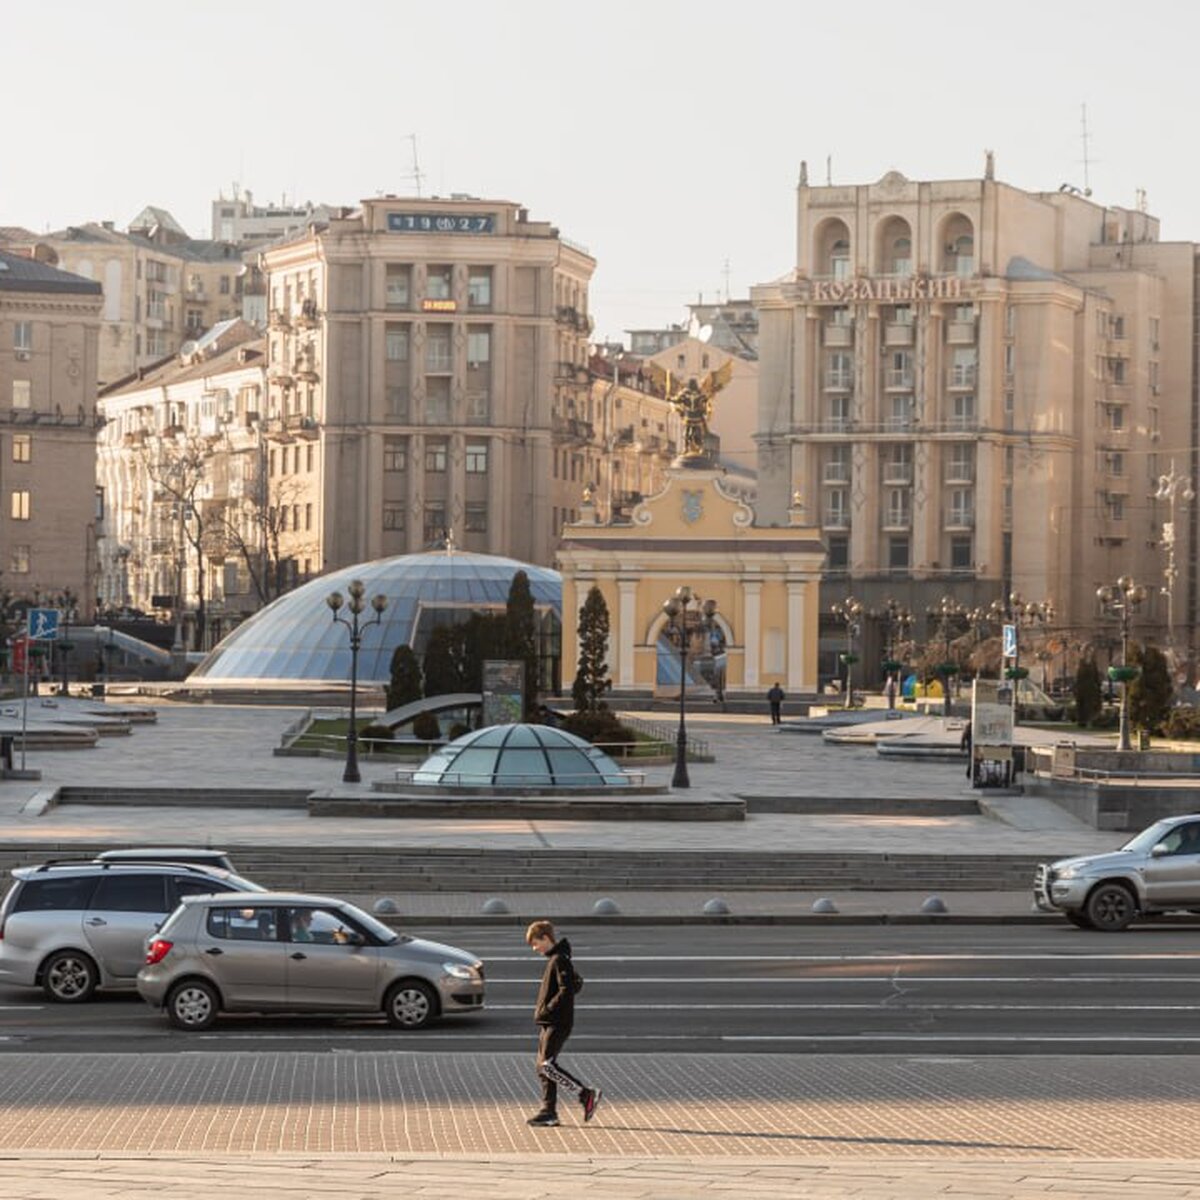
{"x": 205, "y": 520}
{"x": 161, "y": 288}
{"x": 438, "y": 352}
{"x": 975, "y": 389}
{"x": 237, "y": 218}
{"x": 49, "y": 328}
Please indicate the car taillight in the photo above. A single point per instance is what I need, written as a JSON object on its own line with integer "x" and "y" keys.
{"x": 159, "y": 949}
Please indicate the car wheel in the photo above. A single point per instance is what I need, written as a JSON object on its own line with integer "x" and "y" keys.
{"x": 69, "y": 977}
{"x": 1079, "y": 920}
{"x": 1110, "y": 907}
{"x": 410, "y": 1005}
{"x": 193, "y": 1005}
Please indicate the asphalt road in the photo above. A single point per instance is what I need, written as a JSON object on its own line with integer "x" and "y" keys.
{"x": 965, "y": 989}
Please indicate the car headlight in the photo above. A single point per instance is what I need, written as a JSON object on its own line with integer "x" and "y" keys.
{"x": 458, "y": 971}
{"x": 1067, "y": 873}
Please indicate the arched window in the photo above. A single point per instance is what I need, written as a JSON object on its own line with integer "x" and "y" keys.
{"x": 839, "y": 259}
{"x": 901, "y": 257}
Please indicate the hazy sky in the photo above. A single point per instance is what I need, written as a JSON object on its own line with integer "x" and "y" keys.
{"x": 664, "y": 136}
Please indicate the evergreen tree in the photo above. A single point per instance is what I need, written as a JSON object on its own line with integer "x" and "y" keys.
{"x": 483, "y": 636}
{"x": 1151, "y": 694}
{"x": 521, "y": 635}
{"x": 443, "y": 662}
{"x": 591, "y": 671}
{"x": 1089, "y": 699}
{"x": 406, "y": 682}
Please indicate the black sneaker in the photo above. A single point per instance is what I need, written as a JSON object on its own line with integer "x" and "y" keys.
{"x": 545, "y": 1119}
{"x": 590, "y": 1099}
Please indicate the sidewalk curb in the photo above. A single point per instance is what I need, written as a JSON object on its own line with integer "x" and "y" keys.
{"x": 508, "y": 919}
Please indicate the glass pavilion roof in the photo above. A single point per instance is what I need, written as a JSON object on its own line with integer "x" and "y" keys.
{"x": 520, "y": 756}
{"x": 295, "y": 638}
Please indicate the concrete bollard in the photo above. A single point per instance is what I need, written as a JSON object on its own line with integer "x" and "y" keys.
{"x": 386, "y": 907}
{"x": 934, "y": 904}
{"x": 824, "y": 905}
{"x": 495, "y": 906}
{"x": 716, "y": 907}
{"x": 606, "y": 908}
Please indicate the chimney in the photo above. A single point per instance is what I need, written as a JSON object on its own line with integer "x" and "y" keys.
{"x": 107, "y": 225}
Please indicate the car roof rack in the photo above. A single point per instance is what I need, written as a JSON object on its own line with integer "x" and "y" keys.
{"x": 108, "y": 865}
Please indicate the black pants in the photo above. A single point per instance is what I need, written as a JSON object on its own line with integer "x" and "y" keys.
{"x": 775, "y": 713}
{"x": 551, "y": 1040}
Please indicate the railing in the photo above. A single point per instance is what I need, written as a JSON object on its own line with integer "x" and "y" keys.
{"x": 962, "y": 376}
{"x": 838, "y": 380}
{"x": 697, "y": 748}
{"x": 901, "y": 377}
{"x": 836, "y": 472}
{"x": 570, "y": 780}
{"x": 897, "y": 473}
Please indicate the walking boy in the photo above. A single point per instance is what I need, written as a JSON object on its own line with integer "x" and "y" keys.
{"x": 775, "y": 700}
{"x": 554, "y": 1015}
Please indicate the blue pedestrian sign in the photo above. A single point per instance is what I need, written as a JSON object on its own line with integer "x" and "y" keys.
{"x": 1010, "y": 641}
{"x": 43, "y": 624}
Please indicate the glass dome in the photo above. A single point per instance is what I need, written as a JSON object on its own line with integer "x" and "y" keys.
{"x": 520, "y": 756}
{"x": 294, "y": 638}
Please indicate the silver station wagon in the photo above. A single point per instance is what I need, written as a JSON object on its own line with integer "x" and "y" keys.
{"x": 289, "y": 952}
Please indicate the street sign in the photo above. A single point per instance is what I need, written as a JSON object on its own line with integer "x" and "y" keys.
{"x": 1010, "y": 641}
{"x": 43, "y": 624}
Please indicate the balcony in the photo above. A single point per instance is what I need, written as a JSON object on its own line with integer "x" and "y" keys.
{"x": 899, "y": 422}
{"x": 438, "y": 360}
{"x": 836, "y": 518}
{"x": 835, "y": 472}
{"x": 898, "y": 379}
{"x": 839, "y": 335}
{"x": 309, "y": 316}
{"x": 962, "y": 377}
{"x": 839, "y": 381}
{"x": 961, "y": 333}
{"x": 281, "y": 376}
{"x": 962, "y": 422}
{"x": 959, "y": 472}
{"x": 568, "y": 372}
{"x": 836, "y": 424}
{"x": 301, "y": 424}
{"x": 572, "y": 429}
{"x": 898, "y": 333}
{"x": 279, "y": 319}
{"x": 897, "y": 519}
{"x": 898, "y": 472}
{"x": 960, "y": 518}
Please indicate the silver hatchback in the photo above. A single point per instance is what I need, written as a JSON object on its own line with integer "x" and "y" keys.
{"x": 289, "y": 952}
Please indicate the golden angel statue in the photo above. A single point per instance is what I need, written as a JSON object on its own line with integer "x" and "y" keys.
{"x": 694, "y": 402}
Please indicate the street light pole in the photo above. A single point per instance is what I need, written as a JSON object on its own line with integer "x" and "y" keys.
{"x": 1123, "y": 599}
{"x": 677, "y": 610}
{"x": 1172, "y": 486}
{"x": 945, "y": 613}
{"x": 850, "y": 611}
{"x": 66, "y": 602}
{"x": 356, "y": 628}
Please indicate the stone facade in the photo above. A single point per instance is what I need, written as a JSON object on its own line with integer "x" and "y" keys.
{"x": 49, "y": 328}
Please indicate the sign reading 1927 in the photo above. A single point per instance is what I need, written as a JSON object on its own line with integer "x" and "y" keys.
{"x": 911, "y": 287}
{"x": 441, "y": 223}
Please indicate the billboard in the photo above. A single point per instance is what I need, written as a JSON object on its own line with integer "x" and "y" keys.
{"x": 503, "y": 691}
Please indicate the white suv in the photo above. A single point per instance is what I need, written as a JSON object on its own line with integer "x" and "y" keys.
{"x": 71, "y": 927}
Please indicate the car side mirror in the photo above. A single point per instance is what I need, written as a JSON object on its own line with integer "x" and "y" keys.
{"x": 1159, "y": 849}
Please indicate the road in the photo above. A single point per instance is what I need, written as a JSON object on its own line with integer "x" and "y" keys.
{"x": 957, "y": 989}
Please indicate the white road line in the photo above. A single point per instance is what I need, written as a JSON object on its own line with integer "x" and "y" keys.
{"x": 21, "y": 1007}
{"x": 825, "y": 980}
{"x": 1015, "y": 1038}
{"x": 739, "y": 1005}
{"x": 916, "y": 956}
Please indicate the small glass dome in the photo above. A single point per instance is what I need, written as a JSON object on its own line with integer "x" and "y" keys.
{"x": 520, "y": 756}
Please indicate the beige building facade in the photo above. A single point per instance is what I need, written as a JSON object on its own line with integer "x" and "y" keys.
{"x": 437, "y": 350}
{"x": 976, "y": 390}
{"x": 49, "y": 330}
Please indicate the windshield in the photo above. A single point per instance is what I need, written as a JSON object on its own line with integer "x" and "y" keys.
{"x": 1149, "y": 837}
{"x": 377, "y": 929}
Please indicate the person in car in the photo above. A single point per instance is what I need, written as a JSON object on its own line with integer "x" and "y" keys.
{"x": 302, "y": 926}
{"x": 554, "y": 1014}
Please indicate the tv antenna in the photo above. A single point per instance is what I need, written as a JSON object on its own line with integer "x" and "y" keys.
{"x": 725, "y": 273}
{"x": 1085, "y": 137}
{"x": 415, "y": 174}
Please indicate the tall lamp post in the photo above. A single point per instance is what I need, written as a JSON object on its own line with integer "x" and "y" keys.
{"x": 1171, "y": 487}
{"x": 898, "y": 620}
{"x": 66, "y": 603}
{"x": 686, "y": 615}
{"x": 944, "y": 615}
{"x": 850, "y": 612}
{"x": 1122, "y": 600}
{"x": 1023, "y": 614}
{"x": 357, "y": 605}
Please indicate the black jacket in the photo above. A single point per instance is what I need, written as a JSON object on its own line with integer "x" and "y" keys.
{"x": 556, "y": 997}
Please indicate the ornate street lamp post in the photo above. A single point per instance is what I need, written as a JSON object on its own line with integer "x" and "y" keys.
{"x": 1024, "y": 615}
{"x": 1122, "y": 600}
{"x": 686, "y": 615}
{"x": 66, "y": 603}
{"x": 944, "y": 615}
{"x": 898, "y": 620}
{"x": 1172, "y": 487}
{"x": 356, "y": 628}
{"x": 850, "y": 612}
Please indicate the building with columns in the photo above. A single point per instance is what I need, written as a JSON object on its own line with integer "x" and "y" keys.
{"x": 49, "y": 328}
{"x": 977, "y": 389}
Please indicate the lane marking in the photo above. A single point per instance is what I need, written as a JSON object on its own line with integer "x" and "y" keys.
{"x": 915, "y": 956}
{"x": 1003, "y": 1038}
{"x": 823, "y": 980}
{"x": 876, "y": 1007}
{"x": 21, "y": 1007}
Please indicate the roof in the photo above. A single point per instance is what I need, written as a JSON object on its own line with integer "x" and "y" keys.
{"x": 21, "y": 274}
{"x": 189, "y": 249}
{"x": 16, "y": 233}
{"x": 228, "y": 341}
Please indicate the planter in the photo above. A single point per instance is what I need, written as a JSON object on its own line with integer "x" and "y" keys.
{"x": 947, "y": 668}
{"x": 1123, "y": 674}
{"x": 849, "y": 659}
{"x": 890, "y": 666}
{"x": 1016, "y": 672}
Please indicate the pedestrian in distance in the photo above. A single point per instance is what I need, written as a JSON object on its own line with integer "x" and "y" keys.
{"x": 554, "y": 1014}
{"x": 964, "y": 743}
{"x": 775, "y": 700}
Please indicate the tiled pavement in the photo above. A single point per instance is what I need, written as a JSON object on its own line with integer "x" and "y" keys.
{"x": 680, "y": 1125}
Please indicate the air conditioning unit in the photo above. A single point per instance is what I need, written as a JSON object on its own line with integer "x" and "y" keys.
{"x": 21, "y": 355}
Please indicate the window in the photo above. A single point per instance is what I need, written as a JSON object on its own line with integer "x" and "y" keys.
{"x": 435, "y": 523}
{"x": 898, "y": 553}
{"x": 1152, "y": 370}
{"x": 20, "y": 506}
{"x": 899, "y": 508}
{"x": 902, "y": 256}
{"x": 1009, "y": 459}
{"x": 900, "y": 369}
{"x": 960, "y": 554}
{"x": 437, "y": 348}
{"x": 1153, "y": 333}
{"x": 838, "y": 368}
{"x": 396, "y": 396}
{"x": 242, "y": 924}
{"x": 477, "y": 405}
{"x": 963, "y": 415}
{"x": 395, "y": 454}
{"x": 308, "y": 457}
{"x": 1116, "y": 416}
{"x": 964, "y": 313}
{"x": 1117, "y": 370}
{"x": 439, "y": 283}
{"x": 839, "y": 412}
{"x": 840, "y": 317}
{"x": 839, "y": 553}
{"x": 18, "y": 560}
{"x": 131, "y": 893}
{"x": 224, "y": 288}
{"x": 437, "y": 400}
{"x": 1010, "y": 321}
{"x": 902, "y": 314}
{"x": 22, "y": 447}
{"x": 435, "y": 456}
{"x": 23, "y": 335}
{"x": 320, "y": 926}
{"x": 479, "y": 347}
{"x": 271, "y": 463}
{"x": 837, "y": 465}
{"x": 1118, "y": 327}
{"x": 477, "y": 458}
{"x": 479, "y": 287}
{"x": 900, "y": 412}
{"x": 55, "y": 895}
{"x": 156, "y": 342}
{"x": 839, "y": 260}
{"x": 396, "y": 343}
{"x": 962, "y": 507}
{"x": 961, "y": 463}
{"x": 1116, "y": 463}
{"x": 476, "y": 517}
{"x": 308, "y": 516}
{"x": 393, "y": 517}
{"x": 22, "y": 393}
{"x": 837, "y": 508}
{"x": 398, "y": 286}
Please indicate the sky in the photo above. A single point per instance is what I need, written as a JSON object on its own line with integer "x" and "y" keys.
{"x": 666, "y": 137}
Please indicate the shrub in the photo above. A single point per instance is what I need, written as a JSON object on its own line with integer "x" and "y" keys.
{"x": 1088, "y": 698}
{"x": 426, "y": 728}
{"x": 376, "y": 733}
{"x": 1183, "y": 723}
{"x": 597, "y": 726}
{"x": 458, "y": 729}
{"x": 1151, "y": 694}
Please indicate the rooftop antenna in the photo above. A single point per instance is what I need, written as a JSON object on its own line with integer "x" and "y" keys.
{"x": 725, "y": 273}
{"x": 1085, "y": 137}
{"x": 829, "y": 170}
{"x": 415, "y": 174}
